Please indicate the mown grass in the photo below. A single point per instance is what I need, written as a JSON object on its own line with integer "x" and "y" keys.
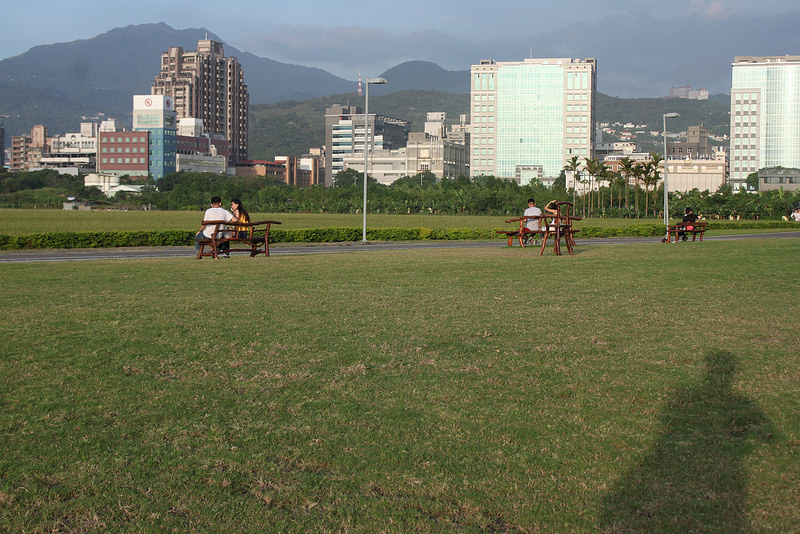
{"x": 639, "y": 387}
{"x": 17, "y": 222}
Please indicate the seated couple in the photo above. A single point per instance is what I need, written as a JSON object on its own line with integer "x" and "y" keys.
{"x": 532, "y": 225}
{"x": 217, "y": 213}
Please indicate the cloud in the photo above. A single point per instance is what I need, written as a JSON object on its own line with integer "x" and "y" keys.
{"x": 711, "y": 9}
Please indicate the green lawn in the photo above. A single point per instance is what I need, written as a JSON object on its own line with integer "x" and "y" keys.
{"x": 16, "y": 222}
{"x": 625, "y": 388}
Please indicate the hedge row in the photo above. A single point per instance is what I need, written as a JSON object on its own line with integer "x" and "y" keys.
{"x": 330, "y": 235}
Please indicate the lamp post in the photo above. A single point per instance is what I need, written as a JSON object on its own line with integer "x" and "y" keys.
{"x": 666, "y": 194}
{"x": 376, "y": 81}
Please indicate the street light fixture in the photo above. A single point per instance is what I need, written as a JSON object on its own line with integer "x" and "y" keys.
{"x": 666, "y": 194}
{"x": 375, "y": 81}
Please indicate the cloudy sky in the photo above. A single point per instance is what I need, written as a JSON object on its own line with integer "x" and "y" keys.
{"x": 347, "y": 36}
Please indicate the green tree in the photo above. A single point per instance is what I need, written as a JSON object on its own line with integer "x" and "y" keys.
{"x": 752, "y": 181}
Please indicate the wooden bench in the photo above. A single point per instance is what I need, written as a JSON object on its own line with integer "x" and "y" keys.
{"x": 694, "y": 228}
{"x": 550, "y": 225}
{"x": 523, "y": 233}
{"x": 255, "y": 242}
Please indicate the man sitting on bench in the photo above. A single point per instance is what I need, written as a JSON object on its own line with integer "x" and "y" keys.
{"x": 532, "y": 225}
{"x": 215, "y": 213}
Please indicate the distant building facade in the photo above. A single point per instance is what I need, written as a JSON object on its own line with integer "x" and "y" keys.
{"x": 765, "y": 122}
{"x": 704, "y": 172}
{"x": 530, "y": 114}
{"x": 686, "y": 91}
{"x": 27, "y": 150}
{"x": 344, "y": 136}
{"x": 156, "y": 115}
{"x": 779, "y": 178}
{"x": 206, "y": 85}
{"x": 696, "y": 144}
{"x": 434, "y": 150}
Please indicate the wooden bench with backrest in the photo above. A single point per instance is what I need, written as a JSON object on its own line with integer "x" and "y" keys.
{"x": 524, "y": 234}
{"x": 561, "y": 227}
{"x": 256, "y": 241}
{"x": 695, "y": 228}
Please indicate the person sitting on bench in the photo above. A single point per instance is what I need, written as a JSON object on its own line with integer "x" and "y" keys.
{"x": 532, "y": 225}
{"x": 688, "y": 220}
{"x": 215, "y": 213}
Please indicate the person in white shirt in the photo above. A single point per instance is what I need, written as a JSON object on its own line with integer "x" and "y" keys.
{"x": 796, "y": 215}
{"x": 532, "y": 211}
{"x": 215, "y": 213}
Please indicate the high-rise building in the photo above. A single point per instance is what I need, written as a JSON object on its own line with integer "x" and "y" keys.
{"x": 765, "y": 115}
{"x": 206, "y": 85}
{"x": 530, "y": 117}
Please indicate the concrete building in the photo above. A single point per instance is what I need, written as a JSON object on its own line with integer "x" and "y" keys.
{"x": 434, "y": 150}
{"x": 123, "y": 153}
{"x": 344, "y": 136}
{"x": 765, "y": 115}
{"x": 2, "y": 143}
{"x": 696, "y": 144}
{"x": 199, "y": 152}
{"x": 27, "y": 150}
{"x": 686, "y": 91}
{"x": 779, "y": 178}
{"x": 206, "y": 85}
{"x": 156, "y": 115}
{"x": 529, "y": 114}
{"x": 301, "y": 172}
{"x": 704, "y": 172}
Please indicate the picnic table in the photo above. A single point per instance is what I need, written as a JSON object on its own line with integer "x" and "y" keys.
{"x": 255, "y": 242}
{"x": 557, "y": 226}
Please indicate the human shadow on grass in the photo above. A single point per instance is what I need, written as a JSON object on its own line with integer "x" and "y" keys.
{"x": 694, "y": 478}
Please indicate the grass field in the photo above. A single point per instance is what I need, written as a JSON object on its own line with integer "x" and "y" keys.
{"x": 626, "y": 388}
{"x": 17, "y": 222}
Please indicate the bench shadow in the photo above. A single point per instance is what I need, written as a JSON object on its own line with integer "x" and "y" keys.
{"x": 693, "y": 479}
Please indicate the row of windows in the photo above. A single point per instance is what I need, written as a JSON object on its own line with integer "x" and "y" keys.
{"x": 745, "y": 107}
{"x": 483, "y": 140}
{"x": 743, "y": 97}
{"x": 580, "y": 96}
{"x": 577, "y": 107}
{"x": 577, "y": 129}
{"x": 484, "y": 130}
{"x": 135, "y": 139}
{"x": 484, "y": 98}
{"x": 483, "y": 109}
{"x": 483, "y": 152}
{"x": 126, "y": 160}
{"x": 127, "y": 150}
{"x": 484, "y": 118}
{"x": 576, "y": 140}
{"x": 578, "y": 151}
{"x": 577, "y": 118}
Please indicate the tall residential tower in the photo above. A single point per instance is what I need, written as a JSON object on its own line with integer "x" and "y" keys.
{"x": 206, "y": 85}
{"x": 530, "y": 117}
{"x": 765, "y": 115}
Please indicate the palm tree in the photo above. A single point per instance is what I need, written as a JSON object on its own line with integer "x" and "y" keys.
{"x": 572, "y": 165}
{"x": 657, "y": 159}
{"x": 626, "y": 166}
{"x": 595, "y": 168}
{"x": 647, "y": 178}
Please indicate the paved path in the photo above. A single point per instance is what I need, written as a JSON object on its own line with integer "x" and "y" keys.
{"x": 38, "y": 256}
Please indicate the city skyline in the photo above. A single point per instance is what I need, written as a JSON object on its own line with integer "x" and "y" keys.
{"x": 347, "y": 38}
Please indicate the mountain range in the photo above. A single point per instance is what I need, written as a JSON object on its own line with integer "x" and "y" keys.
{"x": 57, "y": 84}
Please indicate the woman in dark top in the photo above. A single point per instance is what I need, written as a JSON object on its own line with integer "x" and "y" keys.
{"x": 689, "y": 218}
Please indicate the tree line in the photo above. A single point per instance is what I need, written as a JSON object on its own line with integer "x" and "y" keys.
{"x": 631, "y": 193}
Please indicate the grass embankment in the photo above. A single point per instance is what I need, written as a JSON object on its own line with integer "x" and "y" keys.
{"x": 640, "y": 387}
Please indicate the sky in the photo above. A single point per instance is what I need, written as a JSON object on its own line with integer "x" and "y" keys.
{"x": 347, "y": 37}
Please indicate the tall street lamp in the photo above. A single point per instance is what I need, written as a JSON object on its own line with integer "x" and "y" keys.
{"x": 666, "y": 194}
{"x": 376, "y": 81}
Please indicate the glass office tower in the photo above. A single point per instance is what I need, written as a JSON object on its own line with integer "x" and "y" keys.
{"x": 765, "y": 115}
{"x": 530, "y": 117}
